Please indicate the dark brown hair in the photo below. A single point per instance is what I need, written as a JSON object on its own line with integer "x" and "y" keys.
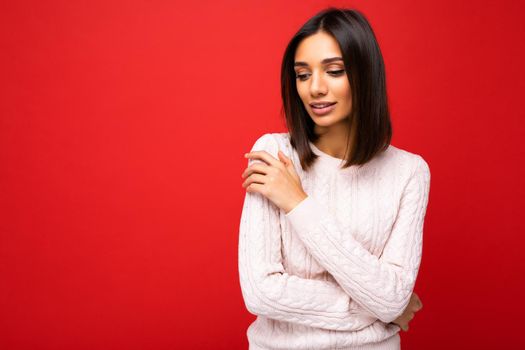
{"x": 365, "y": 69}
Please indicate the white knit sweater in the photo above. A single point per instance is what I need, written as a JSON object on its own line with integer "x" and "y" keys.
{"x": 339, "y": 267}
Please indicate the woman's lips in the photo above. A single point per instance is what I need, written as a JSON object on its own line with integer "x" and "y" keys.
{"x": 324, "y": 110}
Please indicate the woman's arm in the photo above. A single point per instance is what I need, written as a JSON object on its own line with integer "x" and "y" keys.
{"x": 269, "y": 290}
{"x": 383, "y": 285}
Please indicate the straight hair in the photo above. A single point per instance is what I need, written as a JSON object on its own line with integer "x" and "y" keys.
{"x": 365, "y": 69}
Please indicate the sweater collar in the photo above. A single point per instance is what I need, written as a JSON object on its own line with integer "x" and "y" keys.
{"x": 331, "y": 163}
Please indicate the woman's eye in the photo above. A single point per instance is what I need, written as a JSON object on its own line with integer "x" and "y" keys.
{"x": 336, "y": 72}
{"x": 301, "y": 76}
{"x": 331, "y": 72}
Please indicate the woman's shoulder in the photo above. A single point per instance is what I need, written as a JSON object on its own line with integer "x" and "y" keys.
{"x": 272, "y": 142}
{"x": 410, "y": 160}
{"x": 393, "y": 159}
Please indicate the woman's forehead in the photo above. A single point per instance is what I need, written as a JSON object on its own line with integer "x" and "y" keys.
{"x": 319, "y": 48}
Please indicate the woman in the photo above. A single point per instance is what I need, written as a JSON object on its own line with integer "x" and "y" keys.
{"x": 330, "y": 238}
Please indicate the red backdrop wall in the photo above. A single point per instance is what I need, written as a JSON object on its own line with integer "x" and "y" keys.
{"x": 122, "y": 130}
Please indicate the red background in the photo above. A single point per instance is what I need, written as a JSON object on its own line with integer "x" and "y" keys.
{"x": 122, "y": 130}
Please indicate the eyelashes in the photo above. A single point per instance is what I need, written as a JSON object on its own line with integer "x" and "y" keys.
{"x": 335, "y": 73}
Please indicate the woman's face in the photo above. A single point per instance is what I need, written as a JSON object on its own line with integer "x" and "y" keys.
{"x": 319, "y": 81}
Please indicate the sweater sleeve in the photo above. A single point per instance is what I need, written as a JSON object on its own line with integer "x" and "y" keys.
{"x": 383, "y": 285}
{"x": 269, "y": 290}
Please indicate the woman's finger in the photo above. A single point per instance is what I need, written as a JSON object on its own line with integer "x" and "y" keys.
{"x": 418, "y": 303}
{"x": 264, "y": 156}
{"x": 416, "y": 306}
{"x": 254, "y": 178}
{"x": 291, "y": 167}
{"x": 256, "y": 167}
{"x": 255, "y": 187}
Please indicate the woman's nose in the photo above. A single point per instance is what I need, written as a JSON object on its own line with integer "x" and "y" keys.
{"x": 318, "y": 85}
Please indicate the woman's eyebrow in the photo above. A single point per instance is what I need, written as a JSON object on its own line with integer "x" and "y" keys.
{"x": 325, "y": 61}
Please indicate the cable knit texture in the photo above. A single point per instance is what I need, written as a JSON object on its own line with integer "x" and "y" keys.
{"x": 337, "y": 269}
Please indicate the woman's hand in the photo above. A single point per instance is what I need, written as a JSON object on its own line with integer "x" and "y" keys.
{"x": 413, "y": 306}
{"x": 277, "y": 180}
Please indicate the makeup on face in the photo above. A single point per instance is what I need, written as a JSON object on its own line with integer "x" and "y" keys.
{"x": 322, "y": 109}
{"x": 321, "y": 79}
